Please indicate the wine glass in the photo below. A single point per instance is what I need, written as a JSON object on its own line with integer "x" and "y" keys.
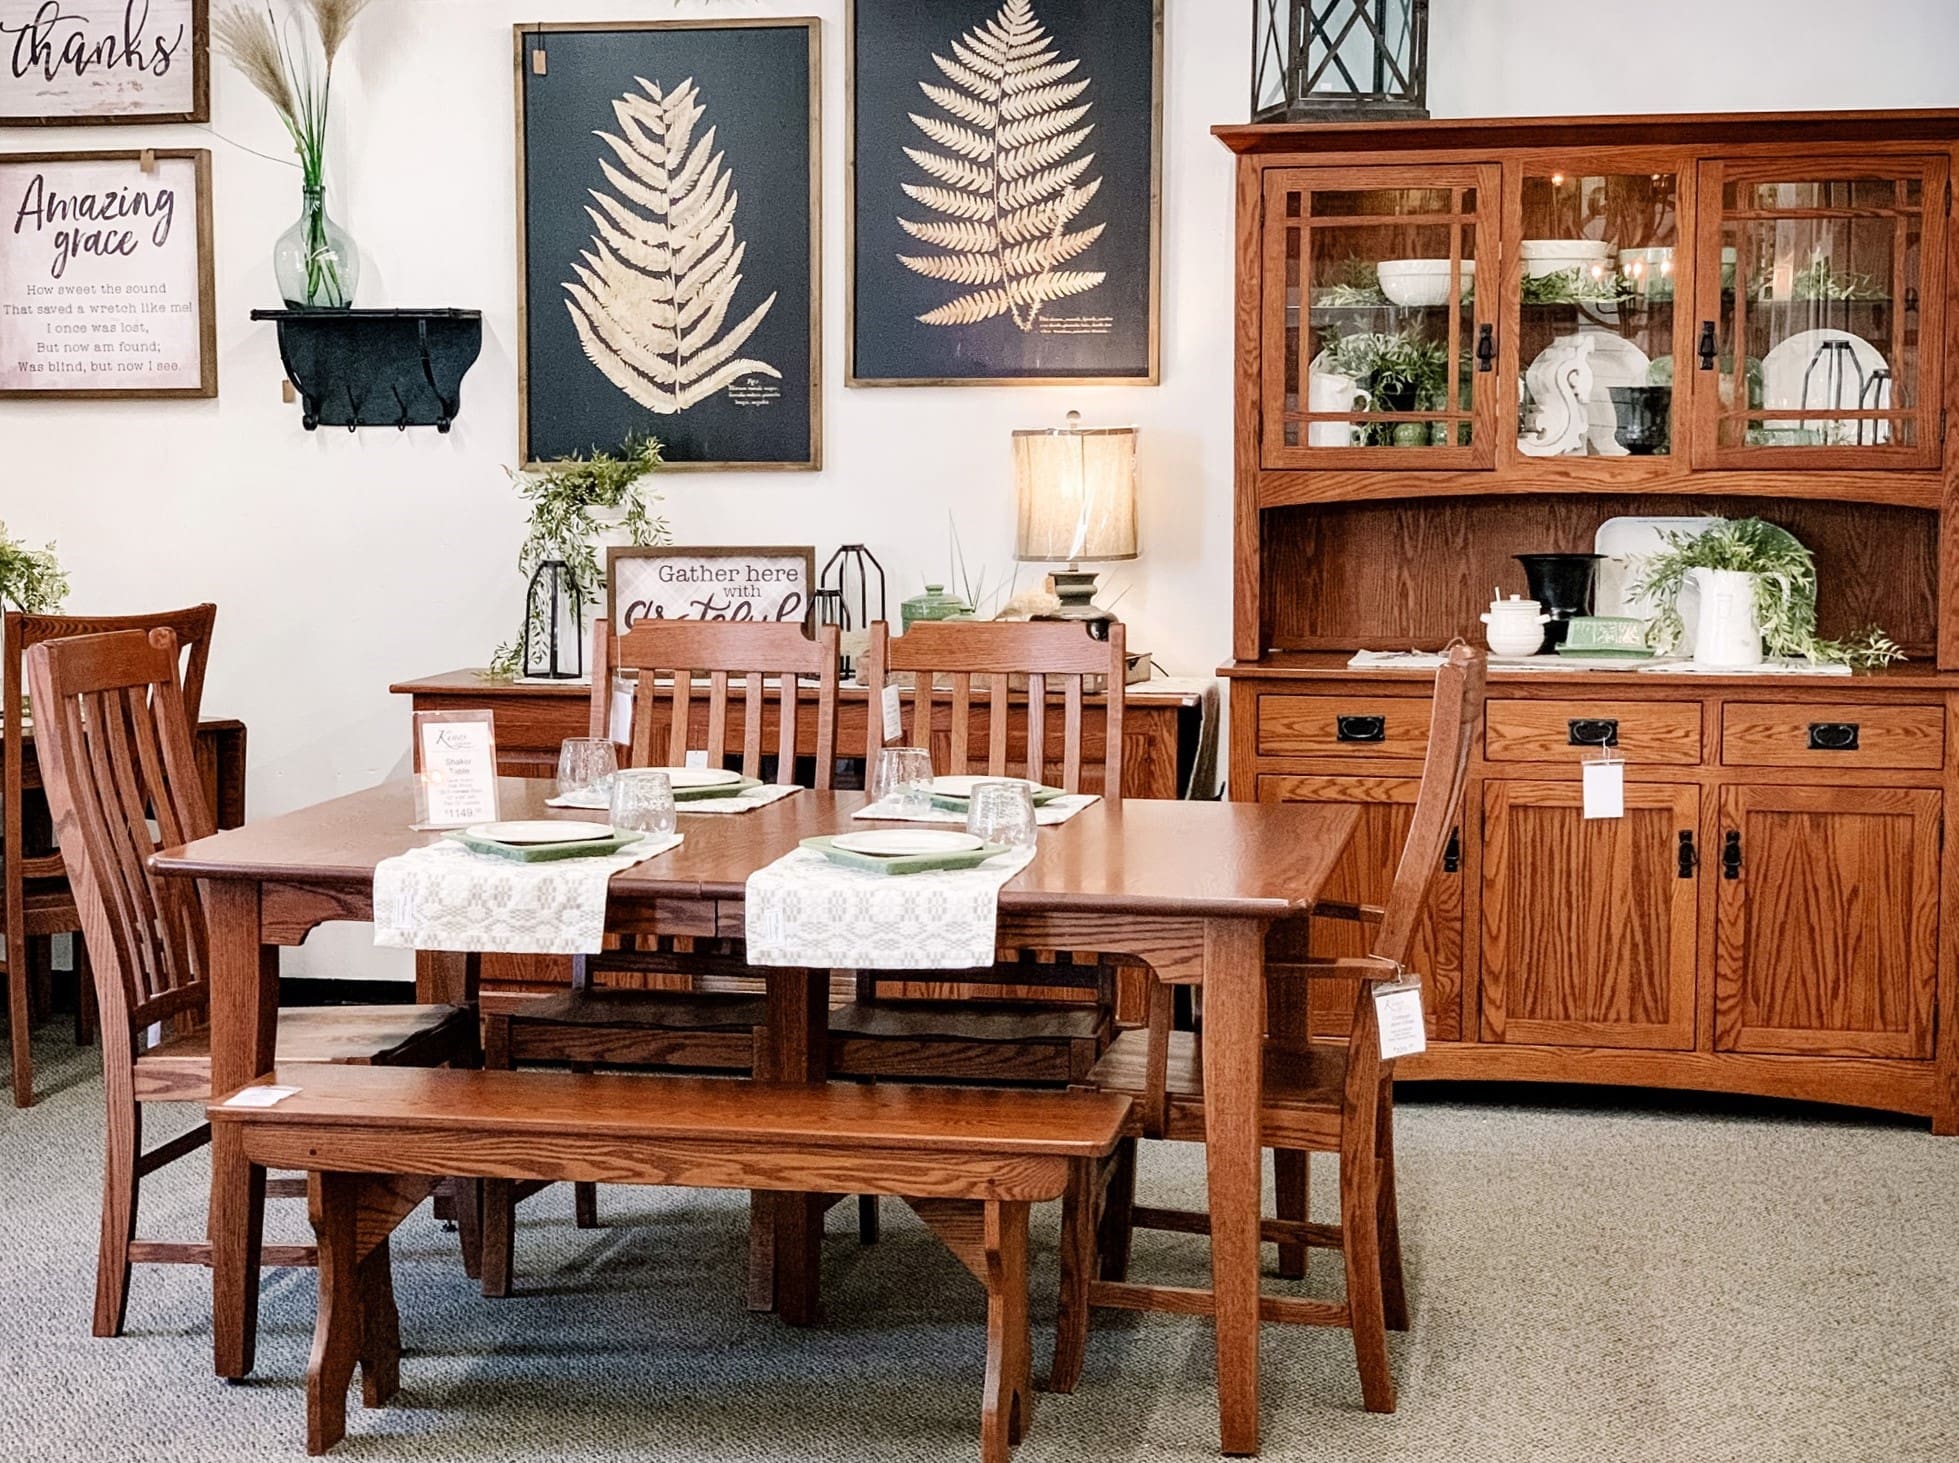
{"x": 586, "y": 765}
{"x": 903, "y": 777}
{"x": 1002, "y": 812}
{"x": 642, "y": 802}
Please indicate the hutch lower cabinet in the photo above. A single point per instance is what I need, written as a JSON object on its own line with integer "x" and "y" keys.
{"x": 1460, "y": 341}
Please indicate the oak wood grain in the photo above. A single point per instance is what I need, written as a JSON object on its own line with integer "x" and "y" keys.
{"x": 1651, "y": 733}
{"x": 1778, "y": 734}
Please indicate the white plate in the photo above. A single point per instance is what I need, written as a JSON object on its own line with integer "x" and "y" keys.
{"x": 1624, "y": 544}
{"x": 962, "y": 787}
{"x": 688, "y": 777}
{"x": 1786, "y": 373}
{"x": 906, "y": 842}
{"x": 542, "y": 830}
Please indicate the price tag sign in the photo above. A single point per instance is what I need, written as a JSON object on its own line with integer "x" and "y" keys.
{"x": 1398, "y": 1014}
{"x": 1605, "y": 788}
{"x": 455, "y": 768}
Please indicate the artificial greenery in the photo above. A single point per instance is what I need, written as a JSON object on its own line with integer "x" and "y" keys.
{"x": 1817, "y": 281}
{"x": 1785, "y": 592}
{"x": 564, "y": 498}
{"x": 1575, "y": 286}
{"x": 31, "y": 580}
{"x": 1357, "y": 284}
{"x": 1399, "y": 371}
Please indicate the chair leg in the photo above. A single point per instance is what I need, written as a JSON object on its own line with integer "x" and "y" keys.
{"x": 1008, "y": 1398}
{"x": 499, "y": 1224}
{"x": 868, "y": 1227}
{"x": 1291, "y": 1171}
{"x": 1078, "y": 1222}
{"x": 380, "y": 1329}
{"x": 1118, "y": 1210}
{"x": 338, "y": 1330}
{"x": 585, "y": 1205}
{"x": 1394, "y": 1287}
{"x": 466, "y": 1203}
{"x": 20, "y": 1020}
{"x": 1360, "y": 1244}
{"x": 84, "y": 994}
{"x": 120, "y": 1185}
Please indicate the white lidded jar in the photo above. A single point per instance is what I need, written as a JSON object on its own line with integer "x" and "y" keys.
{"x": 1515, "y": 626}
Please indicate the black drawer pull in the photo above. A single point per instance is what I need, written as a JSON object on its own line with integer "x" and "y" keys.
{"x": 1690, "y": 858}
{"x": 1833, "y": 736}
{"x": 1731, "y": 854}
{"x": 1361, "y": 728}
{"x": 1452, "y": 855}
{"x": 1598, "y": 731}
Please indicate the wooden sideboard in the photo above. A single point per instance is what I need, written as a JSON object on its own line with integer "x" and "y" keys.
{"x": 1774, "y": 913}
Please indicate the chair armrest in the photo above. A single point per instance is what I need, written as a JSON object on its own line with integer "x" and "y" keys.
{"x": 1366, "y": 914}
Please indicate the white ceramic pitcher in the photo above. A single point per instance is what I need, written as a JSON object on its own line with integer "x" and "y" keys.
{"x": 1331, "y": 391}
{"x": 1726, "y": 632}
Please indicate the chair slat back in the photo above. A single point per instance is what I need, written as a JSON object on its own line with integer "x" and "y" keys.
{"x": 935, "y": 664}
{"x": 116, "y": 752}
{"x": 1455, "y": 723}
{"x": 666, "y": 656}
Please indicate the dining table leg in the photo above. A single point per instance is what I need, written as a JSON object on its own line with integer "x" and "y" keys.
{"x": 786, "y": 1229}
{"x": 1234, "y": 1029}
{"x": 244, "y": 980}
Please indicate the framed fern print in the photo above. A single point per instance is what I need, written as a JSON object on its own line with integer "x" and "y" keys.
{"x": 1005, "y": 186}
{"x": 669, "y": 226}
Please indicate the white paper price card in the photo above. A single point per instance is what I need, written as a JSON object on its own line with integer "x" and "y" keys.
{"x": 1398, "y": 1014}
{"x": 266, "y": 1096}
{"x": 894, "y": 724}
{"x": 1605, "y": 789}
{"x": 456, "y": 757}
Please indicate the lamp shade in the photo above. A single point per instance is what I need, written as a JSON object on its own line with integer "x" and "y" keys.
{"x": 1077, "y": 492}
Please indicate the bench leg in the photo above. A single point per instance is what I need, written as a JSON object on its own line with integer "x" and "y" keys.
{"x": 1078, "y": 1219}
{"x": 1118, "y": 1210}
{"x": 380, "y": 1329}
{"x": 337, "y": 1330}
{"x": 499, "y": 1236}
{"x": 1009, "y": 1396}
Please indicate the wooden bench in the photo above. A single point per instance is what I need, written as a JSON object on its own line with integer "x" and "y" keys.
{"x": 374, "y": 1140}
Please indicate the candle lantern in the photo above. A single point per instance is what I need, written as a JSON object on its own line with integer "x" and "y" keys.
{"x": 846, "y": 598}
{"x": 1339, "y": 60}
{"x": 554, "y": 624}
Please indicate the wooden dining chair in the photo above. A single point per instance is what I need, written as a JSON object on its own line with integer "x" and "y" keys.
{"x": 38, "y": 903}
{"x": 114, "y": 738}
{"x": 1319, "y": 1097}
{"x": 1048, "y": 1018}
{"x": 640, "y": 1005}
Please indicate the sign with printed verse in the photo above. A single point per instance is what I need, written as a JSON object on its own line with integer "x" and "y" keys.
{"x": 64, "y": 61}
{"x": 106, "y": 279}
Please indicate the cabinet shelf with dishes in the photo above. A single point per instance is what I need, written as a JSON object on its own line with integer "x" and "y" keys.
{"x": 1584, "y": 321}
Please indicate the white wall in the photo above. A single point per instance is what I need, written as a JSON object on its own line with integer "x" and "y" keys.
{"x": 342, "y": 562}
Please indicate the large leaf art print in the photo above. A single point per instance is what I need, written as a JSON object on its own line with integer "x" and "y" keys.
{"x": 655, "y": 289}
{"x": 1006, "y": 170}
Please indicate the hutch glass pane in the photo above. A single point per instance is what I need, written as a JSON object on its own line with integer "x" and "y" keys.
{"x": 1380, "y": 356}
{"x": 1820, "y": 285}
{"x": 1595, "y": 333}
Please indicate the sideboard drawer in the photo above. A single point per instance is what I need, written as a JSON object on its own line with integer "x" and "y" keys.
{"x": 1791, "y": 734}
{"x": 1667, "y": 733}
{"x": 1342, "y": 726}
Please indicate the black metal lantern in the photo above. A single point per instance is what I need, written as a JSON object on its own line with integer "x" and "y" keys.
{"x": 554, "y": 616}
{"x": 846, "y": 581}
{"x": 1339, "y": 60}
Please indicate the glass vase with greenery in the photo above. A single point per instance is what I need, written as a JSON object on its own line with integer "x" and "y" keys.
{"x": 573, "y": 502}
{"x": 316, "y": 264}
{"x": 1785, "y": 592}
{"x": 1401, "y": 373}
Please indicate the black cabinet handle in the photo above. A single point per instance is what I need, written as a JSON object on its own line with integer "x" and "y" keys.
{"x": 1833, "y": 736}
{"x": 1690, "y": 859}
{"x": 1486, "y": 348}
{"x": 1708, "y": 347}
{"x": 1601, "y": 731}
{"x": 1361, "y": 728}
{"x": 1452, "y": 855}
{"x": 1731, "y": 855}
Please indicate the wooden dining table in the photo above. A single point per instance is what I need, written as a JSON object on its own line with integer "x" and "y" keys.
{"x": 1191, "y": 889}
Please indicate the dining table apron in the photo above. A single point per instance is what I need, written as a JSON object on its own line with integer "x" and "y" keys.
{"x": 1191, "y": 889}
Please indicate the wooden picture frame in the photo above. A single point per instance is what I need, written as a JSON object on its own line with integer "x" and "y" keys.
{"x": 746, "y": 597}
{"x": 98, "y": 277}
{"x": 98, "y": 35}
{"x": 775, "y": 412}
{"x": 886, "y": 303}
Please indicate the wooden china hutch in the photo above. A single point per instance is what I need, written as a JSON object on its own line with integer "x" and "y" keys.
{"x": 1765, "y": 301}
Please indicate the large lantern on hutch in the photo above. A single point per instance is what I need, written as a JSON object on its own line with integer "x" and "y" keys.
{"x": 1339, "y": 60}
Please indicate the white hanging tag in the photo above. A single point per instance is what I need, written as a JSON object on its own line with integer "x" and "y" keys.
{"x": 1605, "y": 788}
{"x": 697, "y": 759}
{"x": 619, "y": 724}
{"x": 1398, "y": 1014}
{"x": 894, "y": 721}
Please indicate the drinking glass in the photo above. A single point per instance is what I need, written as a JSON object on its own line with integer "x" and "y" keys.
{"x": 1002, "y": 812}
{"x": 586, "y": 765}
{"x": 642, "y": 802}
{"x": 903, "y": 776}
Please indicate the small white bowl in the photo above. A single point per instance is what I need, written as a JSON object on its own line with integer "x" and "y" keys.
{"x": 1542, "y": 257}
{"x": 1421, "y": 281}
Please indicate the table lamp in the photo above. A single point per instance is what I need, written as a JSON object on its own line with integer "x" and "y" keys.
{"x": 1077, "y": 492}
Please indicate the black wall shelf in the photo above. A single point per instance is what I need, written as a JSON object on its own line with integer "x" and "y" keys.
{"x": 378, "y": 368}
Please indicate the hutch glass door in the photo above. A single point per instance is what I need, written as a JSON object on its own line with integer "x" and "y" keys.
{"x": 1817, "y": 333}
{"x": 1377, "y": 351}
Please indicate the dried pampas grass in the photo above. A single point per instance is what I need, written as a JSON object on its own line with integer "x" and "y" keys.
{"x": 334, "y": 19}
{"x": 249, "y": 42}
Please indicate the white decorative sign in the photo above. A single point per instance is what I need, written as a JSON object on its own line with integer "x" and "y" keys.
{"x": 768, "y": 585}
{"x": 105, "y": 275}
{"x": 104, "y": 61}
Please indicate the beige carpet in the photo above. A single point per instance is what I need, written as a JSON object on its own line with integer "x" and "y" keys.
{"x": 1590, "y": 1283}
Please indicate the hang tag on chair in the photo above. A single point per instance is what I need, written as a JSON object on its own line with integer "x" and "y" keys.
{"x": 1398, "y": 1014}
{"x": 894, "y": 722}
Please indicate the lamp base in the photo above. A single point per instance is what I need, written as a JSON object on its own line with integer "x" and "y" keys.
{"x": 1075, "y": 588}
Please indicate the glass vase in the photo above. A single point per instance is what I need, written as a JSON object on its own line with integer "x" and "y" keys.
{"x": 314, "y": 261}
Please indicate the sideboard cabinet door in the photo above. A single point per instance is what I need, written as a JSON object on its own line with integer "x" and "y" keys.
{"x": 1828, "y": 925}
{"x": 1363, "y": 876}
{"x": 1589, "y": 925}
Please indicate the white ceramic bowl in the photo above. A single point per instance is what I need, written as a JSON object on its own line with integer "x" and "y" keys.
{"x": 1542, "y": 257}
{"x": 1420, "y": 281}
